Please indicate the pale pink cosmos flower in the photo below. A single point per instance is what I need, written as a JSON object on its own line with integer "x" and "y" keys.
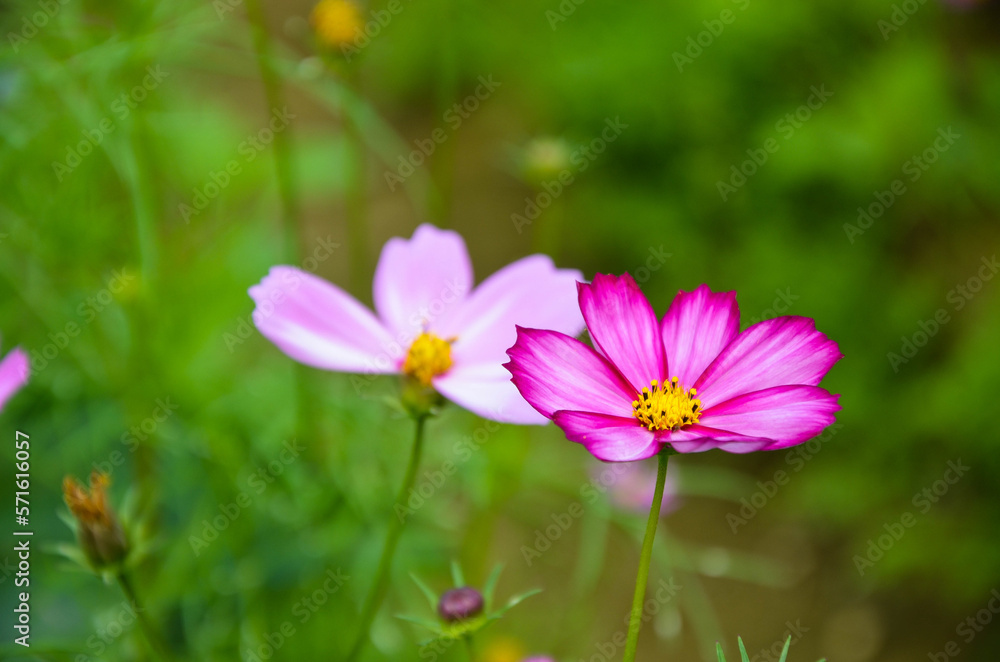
{"x": 690, "y": 382}
{"x": 632, "y": 486}
{"x": 429, "y": 323}
{"x": 14, "y": 371}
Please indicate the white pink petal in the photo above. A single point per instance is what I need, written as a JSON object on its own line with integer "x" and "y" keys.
{"x": 317, "y": 323}
{"x": 555, "y": 372}
{"x": 788, "y": 415}
{"x": 697, "y": 327}
{"x": 776, "y": 352}
{"x": 608, "y": 438}
{"x": 420, "y": 280}
{"x": 624, "y": 328}
{"x": 486, "y": 390}
{"x": 530, "y": 292}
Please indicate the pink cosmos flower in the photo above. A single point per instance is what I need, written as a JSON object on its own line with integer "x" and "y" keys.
{"x": 14, "y": 371}
{"x": 429, "y": 322}
{"x": 690, "y": 382}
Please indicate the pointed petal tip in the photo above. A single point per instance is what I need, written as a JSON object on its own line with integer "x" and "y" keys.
{"x": 696, "y": 328}
{"x": 704, "y": 288}
{"x": 623, "y": 327}
{"x": 780, "y": 351}
{"x": 429, "y": 273}
{"x": 600, "y": 279}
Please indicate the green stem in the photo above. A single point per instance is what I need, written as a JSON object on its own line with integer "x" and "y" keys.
{"x": 635, "y": 619}
{"x": 377, "y": 591}
{"x": 284, "y": 168}
{"x": 442, "y": 166}
{"x": 156, "y": 643}
{"x": 138, "y": 173}
{"x": 357, "y": 193}
{"x": 469, "y": 647}
{"x": 549, "y": 228}
{"x": 282, "y": 139}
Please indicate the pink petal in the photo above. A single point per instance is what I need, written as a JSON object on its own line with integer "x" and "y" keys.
{"x": 530, "y": 292}
{"x": 317, "y": 323}
{"x": 14, "y": 372}
{"x": 608, "y": 438}
{"x": 553, "y": 371}
{"x": 696, "y": 329}
{"x": 623, "y": 326}
{"x": 699, "y": 438}
{"x": 418, "y": 281}
{"x": 775, "y": 352}
{"x": 486, "y": 390}
{"x": 787, "y": 414}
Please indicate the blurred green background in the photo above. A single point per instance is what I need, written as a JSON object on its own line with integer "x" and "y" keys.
{"x": 118, "y": 115}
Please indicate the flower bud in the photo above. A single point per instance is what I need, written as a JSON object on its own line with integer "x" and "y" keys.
{"x": 544, "y": 159}
{"x": 460, "y": 604}
{"x": 99, "y": 532}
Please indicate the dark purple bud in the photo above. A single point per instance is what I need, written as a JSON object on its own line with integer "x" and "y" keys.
{"x": 459, "y": 604}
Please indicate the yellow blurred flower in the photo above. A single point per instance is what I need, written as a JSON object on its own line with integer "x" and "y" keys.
{"x": 336, "y": 22}
{"x": 502, "y": 649}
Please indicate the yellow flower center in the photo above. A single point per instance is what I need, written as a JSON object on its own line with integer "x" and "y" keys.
{"x": 429, "y": 356}
{"x": 667, "y": 406}
{"x": 336, "y": 21}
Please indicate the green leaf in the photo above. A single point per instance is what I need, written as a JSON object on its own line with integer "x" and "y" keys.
{"x": 743, "y": 651}
{"x": 67, "y": 519}
{"x": 433, "y": 626}
{"x": 456, "y": 574}
{"x": 71, "y": 552}
{"x": 513, "y": 602}
{"x": 489, "y": 588}
{"x": 432, "y": 599}
{"x": 784, "y": 652}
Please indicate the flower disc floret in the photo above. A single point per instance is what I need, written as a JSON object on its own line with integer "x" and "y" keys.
{"x": 667, "y": 406}
{"x": 429, "y": 356}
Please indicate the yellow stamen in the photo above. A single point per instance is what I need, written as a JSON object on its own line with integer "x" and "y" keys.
{"x": 666, "y": 406}
{"x": 429, "y": 356}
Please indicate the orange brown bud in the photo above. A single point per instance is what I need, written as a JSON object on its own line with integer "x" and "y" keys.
{"x": 99, "y": 532}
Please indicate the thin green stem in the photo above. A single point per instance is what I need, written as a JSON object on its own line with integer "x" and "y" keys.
{"x": 469, "y": 647}
{"x": 282, "y": 139}
{"x": 635, "y": 618}
{"x": 284, "y": 173}
{"x": 377, "y": 591}
{"x": 137, "y": 173}
{"x": 356, "y": 200}
{"x": 156, "y": 644}
{"x": 442, "y": 166}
